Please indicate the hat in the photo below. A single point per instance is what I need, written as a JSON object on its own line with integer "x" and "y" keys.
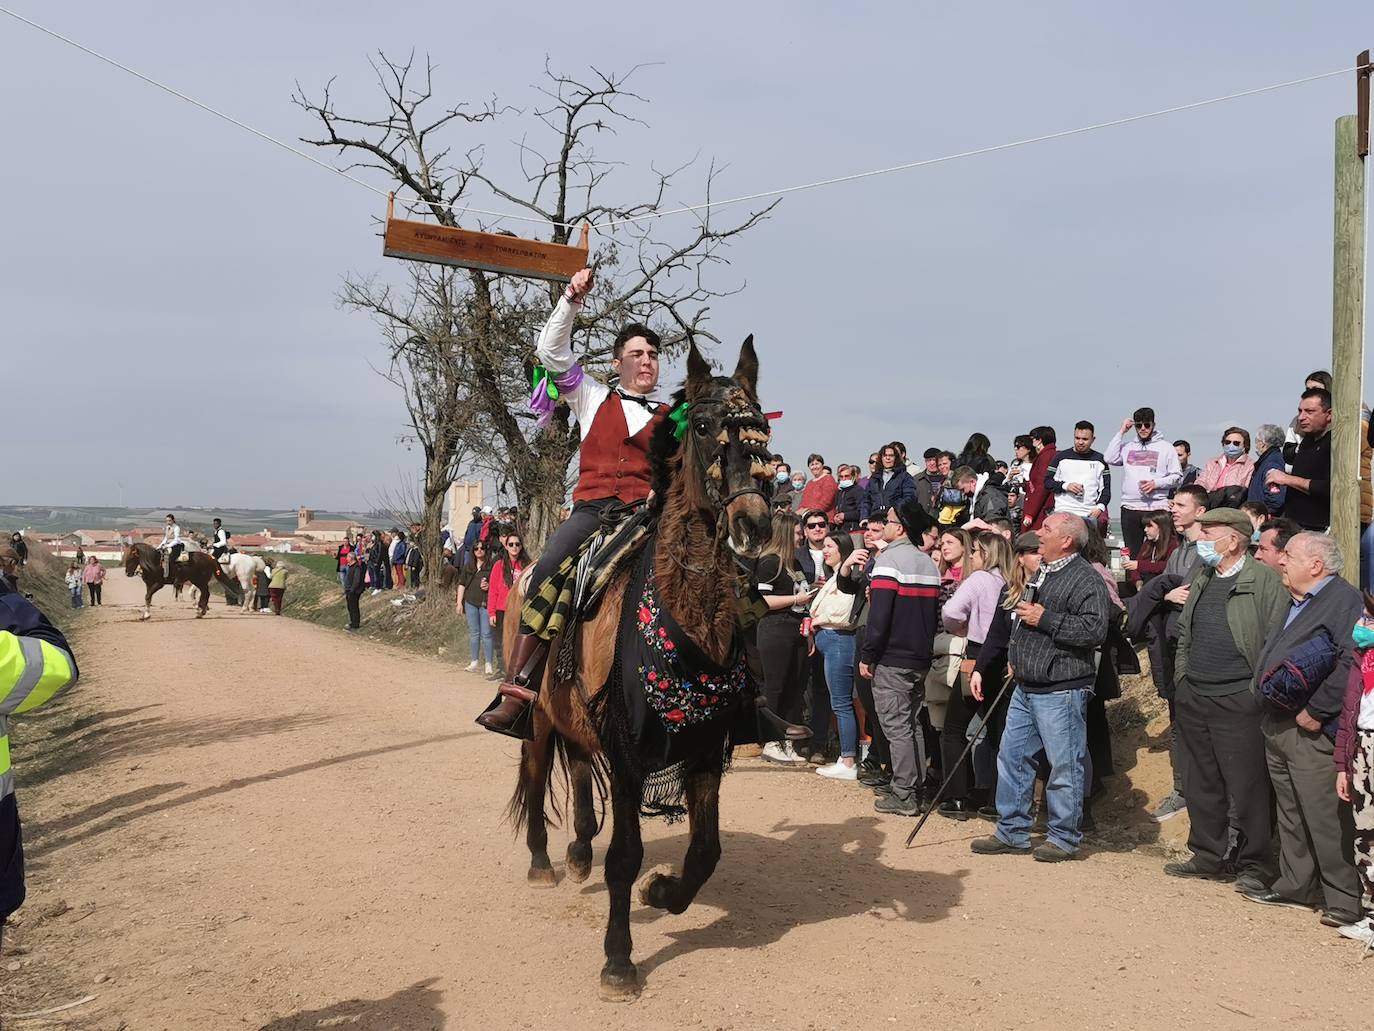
{"x": 1028, "y": 541}
{"x": 486, "y": 510}
{"x": 915, "y": 520}
{"x": 1232, "y": 518}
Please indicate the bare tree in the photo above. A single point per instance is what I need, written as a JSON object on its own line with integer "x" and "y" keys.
{"x": 649, "y": 271}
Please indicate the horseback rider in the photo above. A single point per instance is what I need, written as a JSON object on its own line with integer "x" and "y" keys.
{"x": 171, "y": 546}
{"x": 617, "y": 426}
{"x": 219, "y": 542}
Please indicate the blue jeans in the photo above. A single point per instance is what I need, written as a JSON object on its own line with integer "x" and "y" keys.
{"x": 479, "y": 630}
{"x": 342, "y": 574}
{"x": 1367, "y": 559}
{"x": 76, "y": 597}
{"x": 838, "y": 651}
{"x": 1058, "y": 723}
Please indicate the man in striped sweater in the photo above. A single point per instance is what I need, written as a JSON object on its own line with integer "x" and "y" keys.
{"x": 1061, "y": 621}
{"x": 897, "y": 648}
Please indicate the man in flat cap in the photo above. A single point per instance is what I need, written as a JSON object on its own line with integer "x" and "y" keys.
{"x": 1233, "y": 603}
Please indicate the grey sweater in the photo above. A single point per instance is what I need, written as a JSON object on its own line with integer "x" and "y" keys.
{"x": 1058, "y": 654}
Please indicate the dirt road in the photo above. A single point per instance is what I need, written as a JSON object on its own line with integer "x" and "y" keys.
{"x": 267, "y": 824}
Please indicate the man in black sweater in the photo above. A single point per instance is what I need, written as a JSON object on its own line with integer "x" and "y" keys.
{"x": 1309, "y": 484}
{"x": 1061, "y": 621}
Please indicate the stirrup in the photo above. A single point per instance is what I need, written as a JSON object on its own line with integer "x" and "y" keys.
{"x": 521, "y": 728}
{"x": 790, "y": 731}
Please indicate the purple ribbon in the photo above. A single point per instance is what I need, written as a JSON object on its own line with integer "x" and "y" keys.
{"x": 543, "y": 405}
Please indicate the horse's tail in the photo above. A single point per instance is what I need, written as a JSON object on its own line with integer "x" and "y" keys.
{"x": 542, "y": 756}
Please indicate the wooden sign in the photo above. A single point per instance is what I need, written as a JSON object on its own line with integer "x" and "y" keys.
{"x": 492, "y": 252}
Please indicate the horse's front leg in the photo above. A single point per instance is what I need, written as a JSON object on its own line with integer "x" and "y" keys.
{"x": 619, "y": 978}
{"x": 675, "y": 894}
{"x": 584, "y": 818}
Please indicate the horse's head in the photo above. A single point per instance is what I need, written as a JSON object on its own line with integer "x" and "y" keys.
{"x": 725, "y": 448}
{"x": 132, "y": 560}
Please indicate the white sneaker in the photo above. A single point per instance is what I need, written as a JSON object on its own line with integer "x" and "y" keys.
{"x": 376, "y": 590}
{"x": 1361, "y": 931}
{"x": 779, "y": 752}
{"x": 471, "y": 667}
{"x": 838, "y": 771}
{"x": 489, "y": 672}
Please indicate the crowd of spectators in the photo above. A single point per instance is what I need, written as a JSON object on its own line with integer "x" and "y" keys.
{"x": 950, "y": 629}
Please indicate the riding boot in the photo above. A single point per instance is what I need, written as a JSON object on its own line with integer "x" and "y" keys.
{"x": 508, "y": 712}
{"x": 790, "y": 731}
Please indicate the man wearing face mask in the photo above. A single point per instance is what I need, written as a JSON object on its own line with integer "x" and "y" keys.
{"x": 848, "y": 500}
{"x": 782, "y": 485}
{"x": 1232, "y": 603}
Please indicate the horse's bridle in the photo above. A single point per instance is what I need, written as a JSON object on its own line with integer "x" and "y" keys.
{"x": 705, "y": 461}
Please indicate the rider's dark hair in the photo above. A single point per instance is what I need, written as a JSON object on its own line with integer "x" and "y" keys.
{"x": 634, "y": 329}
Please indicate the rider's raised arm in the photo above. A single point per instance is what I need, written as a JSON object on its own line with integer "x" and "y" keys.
{"x": 554, "y": 350}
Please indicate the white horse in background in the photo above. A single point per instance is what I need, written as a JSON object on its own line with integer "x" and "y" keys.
{"x": 243, "y": 568}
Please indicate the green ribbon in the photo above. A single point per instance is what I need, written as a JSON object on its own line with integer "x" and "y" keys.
{"x": 542, "y": 374}
{"x": 678, "y": 417}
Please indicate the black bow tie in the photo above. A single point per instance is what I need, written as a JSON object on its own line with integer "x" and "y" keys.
{"x": 651, "y": 405}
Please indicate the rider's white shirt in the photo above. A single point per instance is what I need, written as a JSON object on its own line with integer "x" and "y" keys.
{"x": 170, "y": 536}
{"x": 554, "y": 351}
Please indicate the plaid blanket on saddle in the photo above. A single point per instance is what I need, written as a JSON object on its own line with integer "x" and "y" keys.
{"x": 572, "y": 592}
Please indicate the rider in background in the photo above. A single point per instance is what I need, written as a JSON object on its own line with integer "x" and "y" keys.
{"x": 219, "y": 542}
{"x": 172, "y": 546}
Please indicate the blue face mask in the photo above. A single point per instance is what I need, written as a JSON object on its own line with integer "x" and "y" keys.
{"x": 1363, "y": 636}
{"x": 1255, "y": 536}
{"x": 846, "y": 484}
{"x": 798, "y": 484}
{"x": 782, "y": 476}
{"x": 1232, "y": 450}
{"x": 1207, "y": 553}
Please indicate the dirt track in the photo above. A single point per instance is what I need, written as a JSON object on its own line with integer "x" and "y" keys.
{"x": 266, "y": 824}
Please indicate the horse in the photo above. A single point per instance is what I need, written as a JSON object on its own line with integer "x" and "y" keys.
{"x": 243, "y": 568}
{"x": 196, "y": 566}
{"x": 710, "y": 507}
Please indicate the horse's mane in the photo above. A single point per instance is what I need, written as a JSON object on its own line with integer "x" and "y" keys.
{"x": 663, "y": 449}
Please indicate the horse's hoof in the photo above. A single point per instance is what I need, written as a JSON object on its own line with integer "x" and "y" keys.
{"x": 655, "y": 886}
{"x": 619, "y": 984}
{"x": 579, "y": 866}
{"x": 542, "y": 877}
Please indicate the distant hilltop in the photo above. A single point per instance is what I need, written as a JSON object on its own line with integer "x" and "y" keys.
{"x": 63, "y": 519}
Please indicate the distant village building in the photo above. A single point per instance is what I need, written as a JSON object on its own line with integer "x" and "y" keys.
{"x": 331, "y": 531}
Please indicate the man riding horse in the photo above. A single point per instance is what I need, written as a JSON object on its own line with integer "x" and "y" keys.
{"x": 171, "y": 547}
{"x": 617, "y": 425}
{"x": 614, "y": 470}
{"x": 219, "y": 542}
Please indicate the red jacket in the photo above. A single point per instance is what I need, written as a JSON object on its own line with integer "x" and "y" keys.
{"x": 1148, "y": 569}
{"x": 1039, "y": 501}
{"x": 499, "y": 592}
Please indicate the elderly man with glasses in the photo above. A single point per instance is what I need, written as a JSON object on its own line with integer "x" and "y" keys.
{"x": 1316, "y": 867}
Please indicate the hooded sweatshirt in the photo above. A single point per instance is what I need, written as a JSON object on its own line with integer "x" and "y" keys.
{"x": 1154, "y": 459}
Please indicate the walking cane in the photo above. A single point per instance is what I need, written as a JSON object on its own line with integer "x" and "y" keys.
{"x": 968, "y": 748}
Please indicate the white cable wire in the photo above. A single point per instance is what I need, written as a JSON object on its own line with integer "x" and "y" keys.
{"x": 705, "y": 205}
{"x": 243, "y": 125}
{"x": 982, "y": 150}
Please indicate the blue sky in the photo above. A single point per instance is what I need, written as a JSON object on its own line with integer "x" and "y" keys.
{"x": 1183, "y": 263}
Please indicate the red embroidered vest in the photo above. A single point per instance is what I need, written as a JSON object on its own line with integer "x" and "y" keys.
{"x": 614, "y": 464}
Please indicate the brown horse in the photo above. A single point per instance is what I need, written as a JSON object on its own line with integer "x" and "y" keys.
{"x": 195, "y": 567}
{"x": 709, "y": 509}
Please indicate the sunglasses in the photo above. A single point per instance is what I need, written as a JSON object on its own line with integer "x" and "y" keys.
{"x": 1144, "y": 425}
{"x": 815, "y": 526}
{"x": 1237, "y": 443}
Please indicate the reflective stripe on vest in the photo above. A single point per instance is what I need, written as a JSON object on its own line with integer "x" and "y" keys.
{"x": 6, "y": 778}
{"x": 34, "y": 669}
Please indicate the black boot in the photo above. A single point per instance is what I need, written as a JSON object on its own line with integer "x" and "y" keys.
{"x": 509, "y": 711}
{"x": 789, "y": 731}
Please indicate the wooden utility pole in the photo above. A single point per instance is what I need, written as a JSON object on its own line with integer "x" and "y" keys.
{"x": 1348, "y": 476}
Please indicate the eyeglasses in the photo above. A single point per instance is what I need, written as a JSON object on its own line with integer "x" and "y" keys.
{"x": 893, "y": 520}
